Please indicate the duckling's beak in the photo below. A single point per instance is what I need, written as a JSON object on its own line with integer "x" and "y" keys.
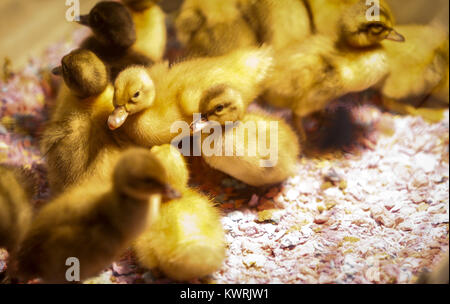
{"x": 117, "y": 118}
{"x": 83, "y": 20}
{"x": 395, "y": 36}
{"x": 199, "y": 124}
{"x": 57, "y": 71}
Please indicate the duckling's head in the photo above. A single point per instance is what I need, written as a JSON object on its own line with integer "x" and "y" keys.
{"x": 111, "y": 23}
{"x": 220, "y": 103}
{"x": 359, "y": 31}
{"x": 84, "y": 73}
{"x": 134, "y": 91}
{"x": 139, "y": 174}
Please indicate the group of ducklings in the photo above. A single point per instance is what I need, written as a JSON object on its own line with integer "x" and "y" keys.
{"x": 116, "y": 179}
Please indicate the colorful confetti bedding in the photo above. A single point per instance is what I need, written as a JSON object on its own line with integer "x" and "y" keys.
{"x": 376, "y": 212}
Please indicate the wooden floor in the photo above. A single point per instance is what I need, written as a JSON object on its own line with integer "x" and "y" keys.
{"x": 27, "y": 27}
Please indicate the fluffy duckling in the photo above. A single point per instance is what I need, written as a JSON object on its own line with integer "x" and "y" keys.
{"x": 263, "y": 150}
{"x": 308, "y": 76}
{"x": 214, "y": 27}
{"x": 114, "y": 36}
{"x": 217, "y": 27}
{"x": 356, "y": 31}
{"x": 95, "y": 220}
{"x": 76, "y": 133}
{"x": 150, "y": 25}
{"x": 15, "y": 210}
{"x": 187, "y": 239}
{"x": 346, "y": 20}
{"x": 279, "y": 23}
{"x": 418, "y": 68}
{"x": 173, "y": 94}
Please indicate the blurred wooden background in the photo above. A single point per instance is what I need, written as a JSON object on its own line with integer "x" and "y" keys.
{"x": 27, "y": 27}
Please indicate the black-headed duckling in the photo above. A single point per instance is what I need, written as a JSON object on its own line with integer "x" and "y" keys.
{"x": 114, "y": 36}
{"x": 76, "y": 132}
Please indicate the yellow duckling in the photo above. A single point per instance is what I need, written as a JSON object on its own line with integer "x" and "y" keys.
{"x": 214, "y": 27}
{"x": 173, "y": 94}
{"x": 354, "y": 22}
{"x": 187, "y": 239}
{"x": 308, "y": 76}
{"x": 418, "y": 70}
{"x": 355, "y": 30}
{"x": 279, "y": 23}
{"x": 15, "y": 210}
{"x": 150, "y": 24}
{"x": 95, "y": 220}
{"x": 114, "y": 36}
{"x": 259, "y": 149}
{"x": 76, "y": 133}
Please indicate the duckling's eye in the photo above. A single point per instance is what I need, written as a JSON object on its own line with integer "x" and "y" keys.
{"x": 219, "y": 109}
{"x": 136, "y": 95}
{"x": 96, "y": 17}
{"x": 376, "y": 28}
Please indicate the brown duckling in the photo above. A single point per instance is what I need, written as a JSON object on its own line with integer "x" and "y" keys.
{"x": 76, "y": 140}
{"x": 259, "y": 150}
{"x": 114, "y": 36}
{"x": 187, "y": 239}
{"x": 173, "y": 94}
{"x": 95, "y": 220}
